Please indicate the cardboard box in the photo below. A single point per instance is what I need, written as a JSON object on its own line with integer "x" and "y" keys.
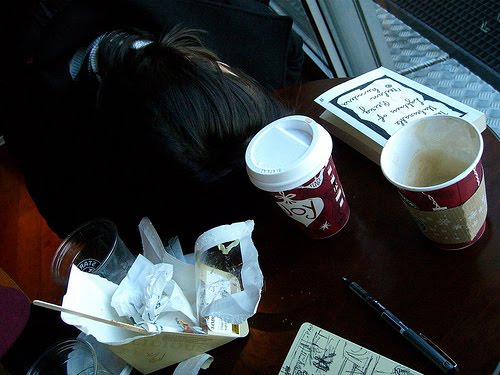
{"x": 155, "y": 352}
{"x": 91, "y": 312}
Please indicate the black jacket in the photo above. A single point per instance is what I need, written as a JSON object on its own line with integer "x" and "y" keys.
{"x": 246, "y": 34}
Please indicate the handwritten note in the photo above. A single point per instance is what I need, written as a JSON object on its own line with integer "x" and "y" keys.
{"x": 385, "y": 105}
{"x": 367, "y": 110}
{"x": 316, "y": 351}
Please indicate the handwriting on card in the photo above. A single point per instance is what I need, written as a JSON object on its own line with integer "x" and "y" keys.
{"x": 316, "y": 351}
{"x": 385, "y": 105}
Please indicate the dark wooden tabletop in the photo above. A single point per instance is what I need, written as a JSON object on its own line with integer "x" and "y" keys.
{"x": 453, "y": 297}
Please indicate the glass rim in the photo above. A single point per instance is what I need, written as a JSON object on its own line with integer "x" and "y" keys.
{"x": 60, "y": 347}
{"x": 63, "y": 248}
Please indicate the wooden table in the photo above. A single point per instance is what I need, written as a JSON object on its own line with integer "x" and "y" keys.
{"x": 453, "y": 297}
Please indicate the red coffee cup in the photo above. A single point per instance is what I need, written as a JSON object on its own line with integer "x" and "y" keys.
{"x": 291, "y": 160}
{"x": 435, "y": 162}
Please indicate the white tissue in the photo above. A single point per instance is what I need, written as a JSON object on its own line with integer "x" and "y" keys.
{"x": 152, "y": 299}
{"x": 154, "y": 251}
{"x": 91, "y": 294}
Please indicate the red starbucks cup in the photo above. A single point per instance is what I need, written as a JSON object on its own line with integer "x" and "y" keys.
{"x": 291, "y": 159}
{"x": 435, "y": 162}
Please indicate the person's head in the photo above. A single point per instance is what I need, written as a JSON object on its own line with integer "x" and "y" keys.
{"x": 175, "y": 98}
{"x": 172, "y": 110}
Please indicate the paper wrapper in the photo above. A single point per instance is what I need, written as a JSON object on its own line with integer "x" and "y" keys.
{"x": 229, "y": 280}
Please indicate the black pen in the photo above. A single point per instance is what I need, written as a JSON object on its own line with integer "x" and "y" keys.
{"x": 419, "y": 341}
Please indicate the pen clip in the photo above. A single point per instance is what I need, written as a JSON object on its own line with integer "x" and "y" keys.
{"x": 438, "y": 349}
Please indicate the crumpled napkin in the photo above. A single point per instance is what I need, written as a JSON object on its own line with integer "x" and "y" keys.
{"x": 152, "y": 299}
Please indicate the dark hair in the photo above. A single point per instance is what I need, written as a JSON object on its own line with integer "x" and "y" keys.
{"x": 170, "y": 99}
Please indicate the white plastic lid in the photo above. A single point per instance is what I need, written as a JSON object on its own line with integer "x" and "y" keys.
{"x": 287, "y": 153}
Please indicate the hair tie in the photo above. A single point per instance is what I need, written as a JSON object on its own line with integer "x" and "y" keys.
{"x": 141, "y": 43}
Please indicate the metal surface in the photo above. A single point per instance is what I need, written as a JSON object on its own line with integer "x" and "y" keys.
{"x": 468, "y": 30}
{"x": 419, "y": 59}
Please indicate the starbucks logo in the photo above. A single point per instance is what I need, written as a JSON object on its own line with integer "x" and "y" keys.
{"x": 88, "y": 265}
